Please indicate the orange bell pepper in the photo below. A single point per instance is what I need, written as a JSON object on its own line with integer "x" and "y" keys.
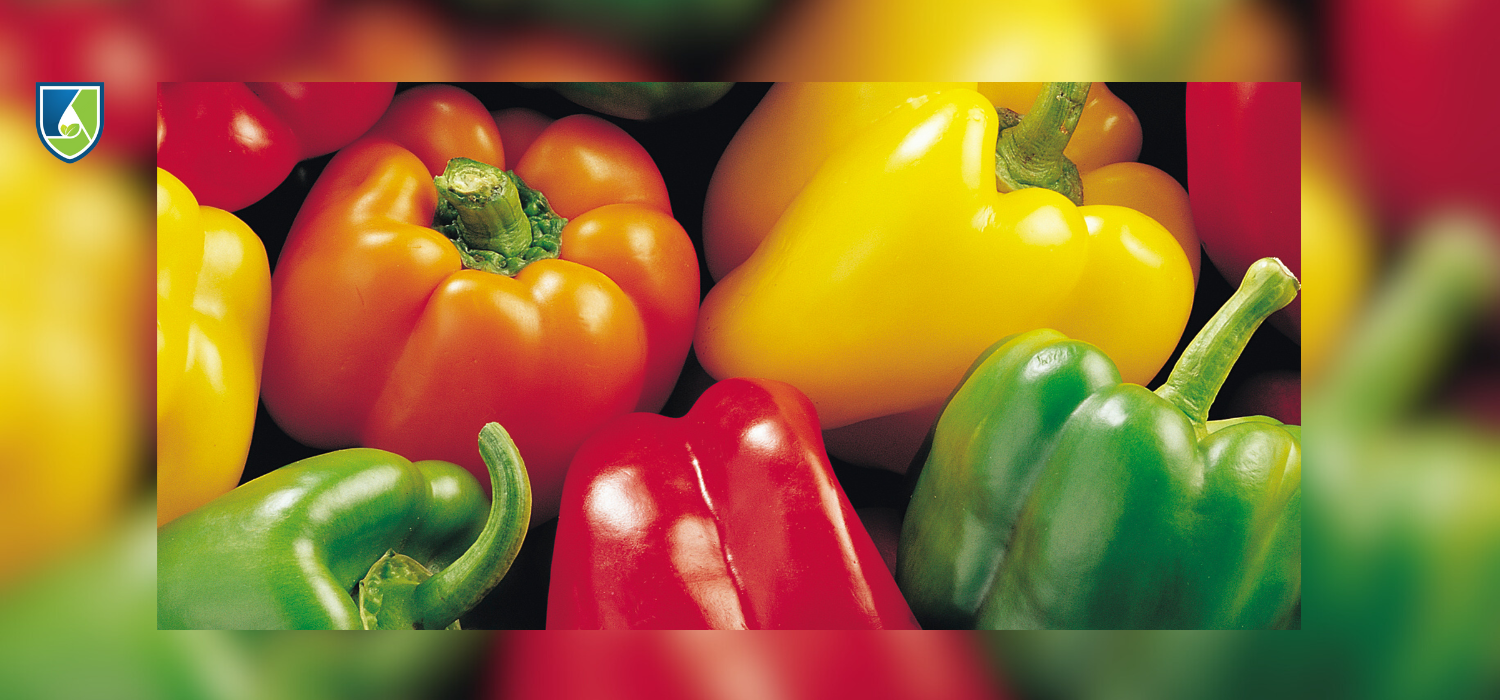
{"x": 387, "y": 332}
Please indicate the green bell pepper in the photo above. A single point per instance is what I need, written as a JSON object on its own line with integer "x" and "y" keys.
{"x": 1055, "y": 496}
{"x": 294, "y": 549}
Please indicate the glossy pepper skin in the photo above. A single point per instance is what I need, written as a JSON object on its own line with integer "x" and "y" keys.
{"x": 1055, "y": 496}
{"x": 285, "y": 550}
{"x": 213, "y": 302}
{"x": 1104, "y": 145}
{"x": 727, "y": 518}
{"x": 383, "y": 336}
{"x": 899, "y": 262}
{"x": 775, "y": 152}
{"x": 232, "y": 143}
{"x": 1243, "y": 141}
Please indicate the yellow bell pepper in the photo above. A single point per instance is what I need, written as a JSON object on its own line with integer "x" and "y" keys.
{"x": 73, "y": 253}
{"x": 899, "y": 262}
{"x": 213, "y": 303}
{"x": 1104, "y": 145}
{"x": 777, "y": 150}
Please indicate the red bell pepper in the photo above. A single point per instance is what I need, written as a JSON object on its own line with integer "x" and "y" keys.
{"x": 1415, "y": 80}
{"x": 691, "y": 666}
{"x": 232, "y": 143}
{"x": 1244, "y": 148}
{"x": 727, "y": 518}
{"x": 384, "y": 333}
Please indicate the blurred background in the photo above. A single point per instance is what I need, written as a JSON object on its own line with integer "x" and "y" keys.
{"x": 1398, "y": 367}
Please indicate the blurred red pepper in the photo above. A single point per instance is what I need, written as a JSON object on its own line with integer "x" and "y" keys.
{"x": 1242, "y": 141}
{"x": 727, "y": 518}
{"x": 1413, "y": 80}
{"x": 230, "y": 37}
{"x": 688, "y": 666}
{"x": 232, "y": 143}
{"x": 96, "y": 41}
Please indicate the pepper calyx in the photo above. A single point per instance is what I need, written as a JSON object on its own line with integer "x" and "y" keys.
{"x": 386, "y": 593}
{"x": 1030, "y": 152}
{"x": 497, "y": 223}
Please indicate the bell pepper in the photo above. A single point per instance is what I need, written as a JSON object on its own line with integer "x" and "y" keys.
{"x": 1103, "y": 146}
{"x": 1404, "y": 537}
{"x": 213, "y": 301}
{"x": 727, "y": 518}
{"x": 1243, "y": 142}
{"x": 566, "y": 300}
{"x": 776, "y": 151}
{"x": 285, "y": 550}
{"x": 1433, "y": 150}
{"x": 688, "y": 666}
{"x": 73, "y": 372}
{"x": 232, "y": 143}
{"x": 1056, "y": 496}
{"x": 1338, "y": 240}
{"x": 899, "y": 261}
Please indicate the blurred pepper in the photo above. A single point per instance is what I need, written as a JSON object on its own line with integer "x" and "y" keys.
{"x": 550, "y": 299}
{"x": 1243, "y": 142}
{"x": 285, "y": 550}
{"x": 73, "y": 369}
{"x": 694, "y": 666}
{"x": 213, "y": 301}
{"x": 1337, "y": 240}
{"x": 1057, "y": 497}
{"x": 232, "y": 143}
{"x": 1412, "y": 77}
{"x": 1404, "y": 542}
{"x": 899, "y": 262}
{"x": 727, "y": 518}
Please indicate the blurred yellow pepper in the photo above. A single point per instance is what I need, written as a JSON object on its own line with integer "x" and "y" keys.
{"x": 899, "y": 262}
{"x": 213, "y": 300}
{"x": 73, "y": 250}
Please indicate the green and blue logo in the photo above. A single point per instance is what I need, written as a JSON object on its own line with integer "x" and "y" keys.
{"x": 69, "y": 117}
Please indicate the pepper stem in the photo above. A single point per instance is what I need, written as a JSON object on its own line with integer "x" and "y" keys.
{"x": 450, "y": 593}
{"x": 497, "y": 223}
{"x": 488, "y": 206}
{"x": 1030, "y": 154}
{"x": 1200, "y": 372}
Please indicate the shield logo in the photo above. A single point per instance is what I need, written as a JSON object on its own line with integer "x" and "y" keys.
{"x": 69, "y": 117}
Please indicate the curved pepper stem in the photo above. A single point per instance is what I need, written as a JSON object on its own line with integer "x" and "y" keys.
{"x": 1200, "y": 372}
{"x": 440, "y": 600}
{"x": 1030, "y": 154}
{"x": 498, "y": 223}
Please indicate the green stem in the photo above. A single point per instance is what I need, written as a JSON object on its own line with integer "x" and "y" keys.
{"x": 497, "y": 223}
{"x": 488, "y": 206}
{"x": 1030, "y": 154}
{"x": 1438, "y": 290}
{"x": 453, "y": 591}
{"x": 1206, "y": 362}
